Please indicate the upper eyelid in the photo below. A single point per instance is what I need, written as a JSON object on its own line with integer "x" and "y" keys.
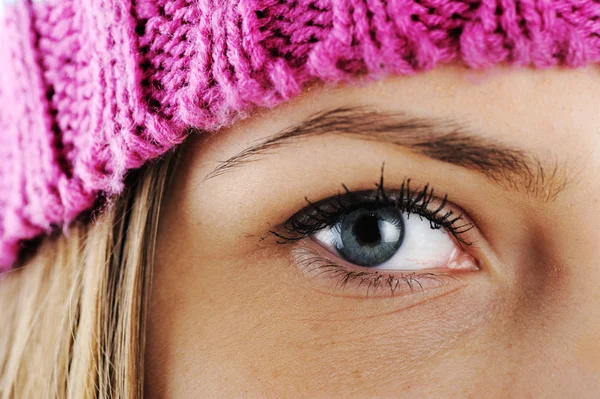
{"x": 440, "y": 139}
{"x": 416, "y": 197}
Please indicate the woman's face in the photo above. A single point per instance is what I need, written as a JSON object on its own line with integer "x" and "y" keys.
{"x": 286, "y": 266}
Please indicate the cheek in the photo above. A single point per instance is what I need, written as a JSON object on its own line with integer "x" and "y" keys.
{"x": 251, "y": 321}
{"x": 321, "y": 346}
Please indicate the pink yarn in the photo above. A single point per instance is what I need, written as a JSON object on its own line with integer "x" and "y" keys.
{"x": 90, "y": 89}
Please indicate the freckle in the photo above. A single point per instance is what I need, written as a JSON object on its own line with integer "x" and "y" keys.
{"x": 275, "y": 374}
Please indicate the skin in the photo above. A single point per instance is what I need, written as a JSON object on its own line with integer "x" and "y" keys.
{"x": 232, "y": 314}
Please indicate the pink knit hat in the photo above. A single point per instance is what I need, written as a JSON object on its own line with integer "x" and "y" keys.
{"x": 90, "y": 89}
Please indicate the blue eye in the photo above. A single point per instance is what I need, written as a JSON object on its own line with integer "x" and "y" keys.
{"x": 391, "y": 239}
{"x": 369, "y": 237}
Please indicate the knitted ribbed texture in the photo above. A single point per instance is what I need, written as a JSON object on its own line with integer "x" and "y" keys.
{"x": 90, "y": 89}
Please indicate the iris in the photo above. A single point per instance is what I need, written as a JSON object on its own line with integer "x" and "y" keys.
{"x": 370, "y": 237}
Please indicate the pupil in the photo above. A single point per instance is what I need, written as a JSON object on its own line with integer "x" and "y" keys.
{"x": 366, "y": 229}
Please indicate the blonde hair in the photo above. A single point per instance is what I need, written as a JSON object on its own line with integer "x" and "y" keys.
{"x": 73, "y": 317}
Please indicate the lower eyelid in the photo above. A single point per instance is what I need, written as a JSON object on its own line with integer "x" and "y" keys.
{"x": 335, "y": 278}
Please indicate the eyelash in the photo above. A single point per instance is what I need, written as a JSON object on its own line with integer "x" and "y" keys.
{"x": 327, "y": 212}
{"x": 373, "y": 282}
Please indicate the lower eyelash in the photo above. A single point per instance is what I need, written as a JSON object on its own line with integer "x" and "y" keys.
{"x": 373, "y": 282}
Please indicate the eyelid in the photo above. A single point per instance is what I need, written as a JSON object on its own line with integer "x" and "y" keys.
{"x": 421, "y": 201}
{"x": 341, "y": 279}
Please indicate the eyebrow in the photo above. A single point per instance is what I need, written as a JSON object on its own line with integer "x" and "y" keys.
{"x": 441, "y": 139}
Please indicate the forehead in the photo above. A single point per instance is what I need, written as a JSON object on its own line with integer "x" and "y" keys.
{"x": 551, "y": 113}
{"x": 533, "y": 108}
